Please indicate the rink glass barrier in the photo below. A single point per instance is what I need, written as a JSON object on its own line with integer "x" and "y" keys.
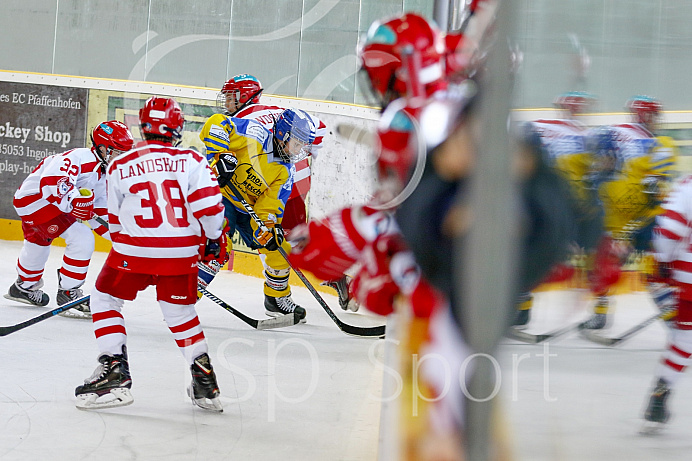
{"x": 41, "y": 115}
{"x": 613, "y": 49}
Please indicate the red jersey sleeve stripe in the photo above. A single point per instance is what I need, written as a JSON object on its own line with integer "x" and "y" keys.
{"x": 667, "y": 234}
{"x": 210, "y": 211}
{"x": 203, "y": 193}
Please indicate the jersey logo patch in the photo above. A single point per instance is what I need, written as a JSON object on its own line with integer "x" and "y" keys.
{"x": 218, "y": 133}
{"x": 249, "y": 181}
{"x": 64, "y": 186}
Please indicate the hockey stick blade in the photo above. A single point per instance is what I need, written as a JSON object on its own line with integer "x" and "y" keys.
{"x": 264, "y": 324}
{"x": 592, "y": 335}
{"x": 4, "y": 331}
{"x": 345, "y": 327}
{"x": 522, "y": 336}
{"x": 356, "y": 134}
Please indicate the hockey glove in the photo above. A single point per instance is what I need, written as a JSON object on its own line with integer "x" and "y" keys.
{"x": 215, "y": 250}
{"x": 271, "y": 237}
{"x": 83, "y": 205}
{"x": 225, "y": 167}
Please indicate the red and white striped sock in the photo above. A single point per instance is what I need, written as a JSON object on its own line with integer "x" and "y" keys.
{"x": 183, "y": 322}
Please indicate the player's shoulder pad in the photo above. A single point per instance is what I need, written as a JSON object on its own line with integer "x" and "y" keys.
{"x": 251, "y": 129}
{"x": 219, "y": 127}
{"x": 665, "y": 141}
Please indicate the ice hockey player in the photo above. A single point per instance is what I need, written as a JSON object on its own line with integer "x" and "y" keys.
{"x": 258, "y": 163}
{"x": 61, "y": 192}
{"x": 637, "y": 170}
{"x": 403, "y": 59}
{"x": 565, "y": 144}
{"x": 672, "y": 239}
{"x": 159, "y": 197}
{"x": 368, "y": 233}
{"x": 240, "y": 97}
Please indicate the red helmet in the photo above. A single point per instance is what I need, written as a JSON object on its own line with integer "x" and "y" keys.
{"x": 113, "y": 136}
{"x": 575, "y": 102}
{"x": 387, "y": 46}
{"x": 397, "y": 150}
{"x": 245, "y": 90}
{"x": 161, "y": 117}
{"x": 645, "y": 109}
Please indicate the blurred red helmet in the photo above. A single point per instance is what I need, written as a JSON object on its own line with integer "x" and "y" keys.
{"x": 113, "y": 136}
{"x": 575, "y": 102}
{"x": 386, "y": 48}
{"x": 161, "y": 117}
{"x": 245, "y": 89}
{"x": 645, "y": 109}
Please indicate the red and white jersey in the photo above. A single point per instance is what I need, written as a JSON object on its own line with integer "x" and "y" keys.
{"x": 56, "y": 180}
{"x": 163, "y": 201}
{"x": 672, "y": 237}
{"x": 267, "y": 115}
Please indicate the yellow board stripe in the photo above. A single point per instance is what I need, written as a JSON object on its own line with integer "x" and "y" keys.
{"x": 243, "y": 263}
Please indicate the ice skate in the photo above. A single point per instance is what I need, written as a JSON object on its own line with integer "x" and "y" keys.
{"x": 599, "y": 319}
{"x": 521, "y": 319}
{"x": 284, "y": 305}
{"x": 80, "y": 311}
{"x": 341, "y": 288}
{"x": 203, "y": 390}
{"x": 523, "y": 315}
{"x": 656, "y": 415}
{"x": 109, "y": 386}
{"x": 33, "y": 295}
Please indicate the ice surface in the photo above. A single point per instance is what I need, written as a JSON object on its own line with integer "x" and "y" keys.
{"x": 308, "y": 392}
{"x": 585, "y": 401}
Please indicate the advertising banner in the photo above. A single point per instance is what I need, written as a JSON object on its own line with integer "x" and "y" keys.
{"x": 36, "y": 121}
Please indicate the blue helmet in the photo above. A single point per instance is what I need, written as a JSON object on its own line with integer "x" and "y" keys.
{"x": 293, "y": 124}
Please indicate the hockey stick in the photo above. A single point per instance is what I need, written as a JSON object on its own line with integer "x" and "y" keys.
{"x": 356, "y": 134}
{"x": 592, "y": 335}
{"x": 345, "y": 327}
{"x": 4, "y": 331}
{"x": 522, "y": 336}
{"x": 264, "y": 324}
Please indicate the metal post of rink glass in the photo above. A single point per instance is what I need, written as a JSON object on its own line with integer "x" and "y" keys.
{"x": 486, "y": 257}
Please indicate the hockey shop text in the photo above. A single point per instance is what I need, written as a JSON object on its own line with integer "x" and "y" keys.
{"x": 42, "y": 133}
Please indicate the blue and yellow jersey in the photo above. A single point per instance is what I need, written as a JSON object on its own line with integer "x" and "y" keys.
{"x": 263, "y": 180}
{"x": 565, "y": 142}
{"x": 642, "y": 160}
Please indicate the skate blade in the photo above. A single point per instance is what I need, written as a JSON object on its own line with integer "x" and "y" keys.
{"x": 75, "y": 314}
{"x": 353, "y": 306}
{"x": 278, "y": 314}
{"x": 651, "y": 428}
{"x": 119, "y": 397}
{"x": 206, "y": 404}
{"x": 21, "y": 300}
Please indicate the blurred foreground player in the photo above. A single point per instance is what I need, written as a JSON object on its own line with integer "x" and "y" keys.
{"x": 164, "y": 204}
{"x": 62, "y": 191}
{"x": 672, "y": 237}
